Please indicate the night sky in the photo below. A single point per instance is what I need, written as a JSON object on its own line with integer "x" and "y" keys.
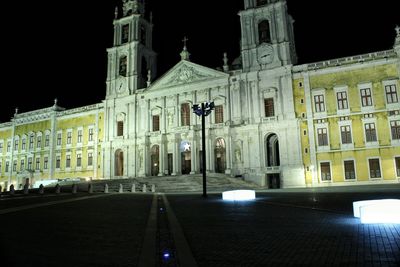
{"x": 58, "y": 48}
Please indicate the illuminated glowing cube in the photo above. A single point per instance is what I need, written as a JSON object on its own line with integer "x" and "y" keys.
{"x": 239, "y": 195}
{"x": 377, "y": 211}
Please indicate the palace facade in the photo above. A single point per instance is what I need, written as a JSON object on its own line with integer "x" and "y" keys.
{"x": 275, "y": 123}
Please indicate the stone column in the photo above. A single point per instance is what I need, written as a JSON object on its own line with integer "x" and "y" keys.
{"x": 209, "y": 152}
{"x": 228, "y": 154}
{"x": 192, "y": 156}
{"x": 176, "y": 156}
{"x": 162, "y": 156}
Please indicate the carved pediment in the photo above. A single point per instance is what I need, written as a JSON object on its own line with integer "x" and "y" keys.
{"x": 186, "y": 72}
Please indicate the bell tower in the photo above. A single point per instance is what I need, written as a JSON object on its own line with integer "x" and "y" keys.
{"x": 267, "y": 35}
{"x": 131, "y": 59}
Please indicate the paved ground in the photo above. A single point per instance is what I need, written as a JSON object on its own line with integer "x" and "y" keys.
{"x": 281, "y": 228}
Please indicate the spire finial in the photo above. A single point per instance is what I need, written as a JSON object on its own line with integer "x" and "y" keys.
{"x": 55, "y": 101}
{"x": 185, "y": 55}
{"x": 185, "y": 39}
{"x": 148, "y": 78}
{"x": 16, "y": 111}
{"x": 116, "y": 13}
{"x": 225, "y": 59}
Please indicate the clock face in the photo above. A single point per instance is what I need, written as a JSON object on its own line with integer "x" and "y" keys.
{"x": 265, "y": 54}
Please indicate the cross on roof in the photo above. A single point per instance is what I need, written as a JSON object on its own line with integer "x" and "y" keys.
{"x": 185, "y": 40}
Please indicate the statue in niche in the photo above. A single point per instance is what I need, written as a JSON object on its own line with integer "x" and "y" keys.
{"x": 140, "y": 157}
{"x": 170, "y": 118}
{"x": 238, "y": 154}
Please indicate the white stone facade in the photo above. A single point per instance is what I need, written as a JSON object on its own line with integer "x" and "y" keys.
{"x": 145, "y": 133}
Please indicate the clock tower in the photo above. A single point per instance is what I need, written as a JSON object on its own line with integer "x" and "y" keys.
{"x": 267, "y": 35}
{"x": 131, "y": 58}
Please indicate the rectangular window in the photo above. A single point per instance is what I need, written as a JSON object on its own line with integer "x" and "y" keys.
{"x": 59, "y": 136}
{"x": 79, "y": 140}
{"x": 325, "y": 171}
{"x": 219, "y": 114}
{"x": 23, "y": 144}
{"x": 319, "y": 103}
{"x": 7, "y": 166}
{"x": 125, "y": 34}
{"x": 29, "y": 163}
{"x": 39, "y": 142}
{"x": 269, "y": 107}
{"x": 78, "y": 160}
{"x": 37, "y": 163}
{"x": 342, "y": 100}
{"x": 322, "y": 136}
{"x": 156, "y": 123}
{"x": 120, "y": 128}
{"x": 68, "y": 161}
{"x": 397, "y": 162}
{"x": 31, "y": 141}
{"x": 374, "y": 168}
{"x": 391, "y": 94}
{"x": 69, "y": 138}
{"x": 22, "y": 166}
{"x": 345, "y": 132}
{"x": 370, "y": 132}
{"x": 395, "y": 128}
{"x": 58, "y": 162}
{"x": 90, "y": 159}
{"x": 366, "y": 98}
{"x": 45, "y": 163}
{"x": 349, "y": 171}
{"x": 1, "y": 147}
{"x": 47, "y": 140}
{"x": 91, "y": 133}
{"x": 15, "y": 166}
{"x": 8, "y": 146}
{"x": 16, "y": 142}
{"x": 185, "y": 114}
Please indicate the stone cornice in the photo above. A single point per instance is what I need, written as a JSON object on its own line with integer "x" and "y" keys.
{"x": 344, "y": 61}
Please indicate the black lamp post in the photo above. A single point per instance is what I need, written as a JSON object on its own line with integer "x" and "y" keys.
{"x": 203, "y": 110}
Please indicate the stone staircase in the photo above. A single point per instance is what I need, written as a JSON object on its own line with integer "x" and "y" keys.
{"x": 172, "y": 184}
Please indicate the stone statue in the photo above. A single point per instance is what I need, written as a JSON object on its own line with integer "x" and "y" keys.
{"x": 238, "y": 154}
{"x": 170, "y": 118}
{"x": 140, "y": 157}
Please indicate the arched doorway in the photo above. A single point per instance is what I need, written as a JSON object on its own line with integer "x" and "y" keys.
{"x": 119, "y": 163}
{"x": 186, "y": 158}
{"x": 272, "y": 160}
{"x": 155, "y": 160}
{"x": 220, "y": 155}
{"x": 272, "y": 150}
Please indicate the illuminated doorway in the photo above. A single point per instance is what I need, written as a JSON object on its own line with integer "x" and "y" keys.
{"x": 155, "y": 160}
{"x": 220, "y": 156}
{"x": 119, "y": 163}
{"x": 186, "y": 158}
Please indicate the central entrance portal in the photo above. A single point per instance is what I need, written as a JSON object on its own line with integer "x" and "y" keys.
{"x": 219, "y": 154}
{"x": 155, "y": 160}
{"x": 186, "y": 158}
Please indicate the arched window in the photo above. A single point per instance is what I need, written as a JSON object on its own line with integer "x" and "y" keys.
{"x": 185, "y": 114}
{"x": 122, "y": 65}
{"x": 264, "y": 34}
